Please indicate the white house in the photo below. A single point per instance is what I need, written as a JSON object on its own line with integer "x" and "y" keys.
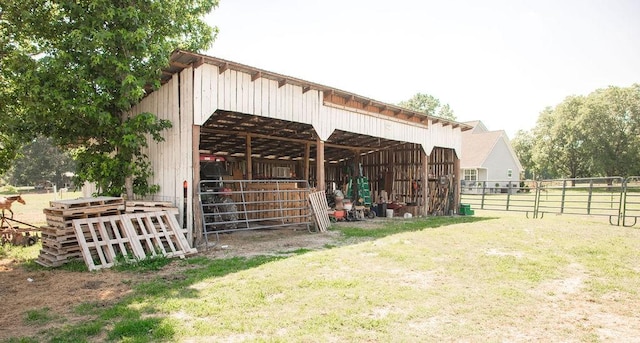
{"x": 488, "y": 159}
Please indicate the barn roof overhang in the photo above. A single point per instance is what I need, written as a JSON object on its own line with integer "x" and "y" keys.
{"x": 181, "y": 59}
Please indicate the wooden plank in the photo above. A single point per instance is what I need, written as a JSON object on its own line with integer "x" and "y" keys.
{"x": 318, "y": 201}
{"x": 85, "y": 202}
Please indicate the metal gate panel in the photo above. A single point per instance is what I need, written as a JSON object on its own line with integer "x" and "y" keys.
{"x": 239, "y": 205}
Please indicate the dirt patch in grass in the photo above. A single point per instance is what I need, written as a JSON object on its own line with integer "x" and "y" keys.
{"x": 24, "y": 289}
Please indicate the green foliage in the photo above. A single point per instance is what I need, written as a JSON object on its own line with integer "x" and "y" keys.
{"x": 428, "y": 105}
{"x": 522, "y": 145}
{"x": 73, "y": 70}
{"x": 586, "y": 136}
{"x": 40, "y": 161}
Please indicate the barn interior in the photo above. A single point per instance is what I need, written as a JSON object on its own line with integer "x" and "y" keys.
{"x": 262, "y": 148}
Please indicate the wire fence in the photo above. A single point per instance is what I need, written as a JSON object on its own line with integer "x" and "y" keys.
{"x": 614, "y": 197}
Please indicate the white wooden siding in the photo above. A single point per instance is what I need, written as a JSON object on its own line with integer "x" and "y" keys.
{"x": 193, "y": 95}
{"x": 234, "y": 91}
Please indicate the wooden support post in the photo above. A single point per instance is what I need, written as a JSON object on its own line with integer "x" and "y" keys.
{"x": 249, "y": 160}
{"x": 456, "y": 181}
{"x": 307, "y": 162}
{"x": 320, "y": 165}
{"x": 425, "y": 183}
{"x": 195, "y": 236}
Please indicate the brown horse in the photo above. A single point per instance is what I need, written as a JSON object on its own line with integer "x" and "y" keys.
{"x": 5, "y": 203}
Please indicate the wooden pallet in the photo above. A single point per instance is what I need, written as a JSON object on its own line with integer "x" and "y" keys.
{"x": 130, "y": 236}
{"x": 86, "y": 202}
{"x": 150, "y": 206}
{"x": 320, "y": 208}
{"x": 59, "y": 239}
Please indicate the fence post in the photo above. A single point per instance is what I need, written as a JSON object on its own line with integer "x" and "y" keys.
{"x": 536, "y": 199}
{"x": 564, "y": 190}
{"x": 508, "y": 194}
{"x": 590, "y": 196}
{"x": 484, "y": 186}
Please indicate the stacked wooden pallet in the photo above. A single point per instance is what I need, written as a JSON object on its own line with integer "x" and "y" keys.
{"x": 136, "y": 206}
{"x": 59, "y": 241}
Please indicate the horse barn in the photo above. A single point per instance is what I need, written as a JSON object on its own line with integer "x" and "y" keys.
{"x": 249, "y": 146}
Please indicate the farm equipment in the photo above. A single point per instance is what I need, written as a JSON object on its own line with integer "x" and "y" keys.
{"x": 15, "y": 235}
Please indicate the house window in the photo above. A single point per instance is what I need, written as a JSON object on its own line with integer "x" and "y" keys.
{"x": 509, "y": 173}
{"x": 470, "y": 175}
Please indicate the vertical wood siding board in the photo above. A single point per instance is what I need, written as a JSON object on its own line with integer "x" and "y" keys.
{"x": 280, "y": 96}
{"x": 247, "y": 93}
{"x": 208, "y": 94}
{"x": 240, "y": 92}
{"x": 273, "y": 99}
{"x": 227, "y": 89}
{"x": 213, "y": 82}
{"x": 233, "y": 90}
{"x": 257, "y": 96}
{"x": 220, "y": 92}
{"x": 265, "y": 97}
{"x": 295, "y": 92}
{"x": 199, "y": 92}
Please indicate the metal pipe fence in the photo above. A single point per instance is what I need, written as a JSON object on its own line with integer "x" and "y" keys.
{"x": 614, "y": 197}
{"x": 239, "y": 205}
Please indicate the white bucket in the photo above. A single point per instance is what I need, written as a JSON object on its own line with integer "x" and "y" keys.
{"x": 389, "y": 213}
{"x": 407, "y": 215}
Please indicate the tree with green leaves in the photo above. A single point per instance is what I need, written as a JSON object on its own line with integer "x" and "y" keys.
{"x": 75, "y": 68}
{"x": 428, "y": 105}
{"x": 560, "y": 141}
{"x": 41, "y": 161}
{"x": 597, "y": 135}
{"x": 611, "y": 119}
{"x": 522, "y": 145}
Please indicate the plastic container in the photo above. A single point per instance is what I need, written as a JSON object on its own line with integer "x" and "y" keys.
{"x": 389, "y": 213}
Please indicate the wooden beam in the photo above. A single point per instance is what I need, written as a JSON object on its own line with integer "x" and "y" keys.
{"x": 196, "y": 235}
{"x": 223, "y": 68}
{"x": 248, "y": 158}
{"x": 199, "y": 62}
{"x": 320, "y": 182}
{"x": 425, "y": 182}
{"x": 307, "y": 160}
{"x": 456, "y": 181}
{"x": 282, "y": 82}
{"x": 179, "y": 65}
{"x": 350, "y": 98}
{"x": 284, "y": 139}
{"x": 256, "y": 76}
{"x": 306, "y": 89}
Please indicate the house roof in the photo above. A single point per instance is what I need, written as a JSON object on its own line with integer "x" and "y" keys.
{"x": 476, "y": 147}
{"x": 478, "y": 143}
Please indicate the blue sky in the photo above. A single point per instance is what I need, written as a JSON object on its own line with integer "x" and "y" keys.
{"x": 501, "y": 62}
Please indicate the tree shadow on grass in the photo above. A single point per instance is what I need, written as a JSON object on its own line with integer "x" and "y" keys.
{"x": 126, "y": 321}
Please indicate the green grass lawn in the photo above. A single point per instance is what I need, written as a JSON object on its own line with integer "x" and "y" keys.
{"x": 490, "y": 278}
